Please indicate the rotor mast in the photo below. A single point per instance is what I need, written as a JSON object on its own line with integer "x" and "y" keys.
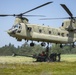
{"x": 21, "y": 20}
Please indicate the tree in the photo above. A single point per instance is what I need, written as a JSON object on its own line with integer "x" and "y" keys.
{"x": 56, "y": 48}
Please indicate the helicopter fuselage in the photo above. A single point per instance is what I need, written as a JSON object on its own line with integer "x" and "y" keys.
{"x": 42, "y": 33}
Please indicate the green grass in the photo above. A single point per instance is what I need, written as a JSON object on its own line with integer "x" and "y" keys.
{"x": 17, "y": 59}
{"x": 24, "y": 66}
{"x": 68, "y": 57}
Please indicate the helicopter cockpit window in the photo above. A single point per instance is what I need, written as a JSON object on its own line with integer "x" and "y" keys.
{"x": 40, "y": 30}
{"x": 29, "y": 29}
{"x": 58, "y": 33}
{"x": 17, "y": 26}
{"x": 62, "y": 24}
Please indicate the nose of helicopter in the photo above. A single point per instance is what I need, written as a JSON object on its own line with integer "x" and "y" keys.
{"x": 11, "y": 33}
{"x": 8, "y": 31}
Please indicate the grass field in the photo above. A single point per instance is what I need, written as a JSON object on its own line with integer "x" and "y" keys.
{"x": 68, "y": 57}
{"x": 24, "y": 66}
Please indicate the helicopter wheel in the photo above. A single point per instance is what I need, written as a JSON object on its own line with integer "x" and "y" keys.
{"x": 32, "y": 44}
{"x": 43, "y": 44}
{"x": 73, "y": 45}
{"x": 19, "y": 39}
{"x": 61, "y": 46}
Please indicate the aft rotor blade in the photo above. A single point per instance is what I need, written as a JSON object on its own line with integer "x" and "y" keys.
{"x": 36, "y": 8}
{"x": 66, "y": 9}
{"x": 54, "y": 18}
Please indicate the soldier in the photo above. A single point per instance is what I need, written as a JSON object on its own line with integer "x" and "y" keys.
{"x": 59, "y": 57}
{"x": 47, "y": 51}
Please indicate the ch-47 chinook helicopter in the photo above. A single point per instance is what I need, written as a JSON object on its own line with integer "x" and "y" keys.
{"x": 34, "y": 32}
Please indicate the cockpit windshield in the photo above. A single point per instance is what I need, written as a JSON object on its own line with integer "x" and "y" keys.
{"x": 15, "y": 29}
{"x": 18, "y": 26}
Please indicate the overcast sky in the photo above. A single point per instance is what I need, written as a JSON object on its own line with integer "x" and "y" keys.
{"x": 19, "y": 6}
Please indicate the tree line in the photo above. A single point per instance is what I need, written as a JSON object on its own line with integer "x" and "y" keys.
{"x": 26, "y": 50}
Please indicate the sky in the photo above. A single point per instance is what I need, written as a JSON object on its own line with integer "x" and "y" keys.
{"x": 52, "y": 10}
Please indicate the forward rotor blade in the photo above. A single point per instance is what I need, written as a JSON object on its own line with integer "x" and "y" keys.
{"x": 4, "y": 15}
{"x": 36, "y": 8}
{"x": 22, "y": 14}
{"x": 67, "y": 10}
{"x": 34, "y": 15}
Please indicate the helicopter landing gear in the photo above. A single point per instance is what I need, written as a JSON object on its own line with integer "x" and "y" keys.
{"x": 43, "y": 44}
{"x": 19, "y": 39}
{"x": 73, "y": 45}
{"x": 61, "y": 46}
{"x": 32, "y": 44}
